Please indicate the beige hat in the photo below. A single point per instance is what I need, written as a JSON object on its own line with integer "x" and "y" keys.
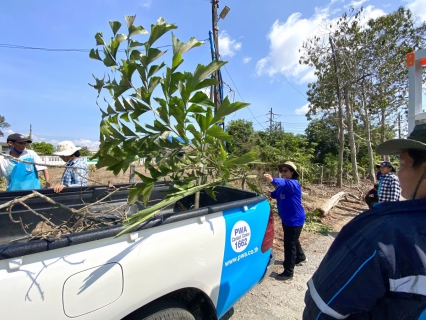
{"x": 290, "y": 165}
{"x": 65, "y": 148}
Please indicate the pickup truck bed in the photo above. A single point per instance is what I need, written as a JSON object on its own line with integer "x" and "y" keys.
{"x": 206, "y": 259}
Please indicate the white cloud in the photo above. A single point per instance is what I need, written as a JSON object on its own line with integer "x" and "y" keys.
{"x": 227, "y": 46}
{"x": 286, "y": 38}
{"x": 146, "y": 4}
{"x": 246, "y": 60}
{"x": 418, "y": 7}
{"x": 302, "y": 110}
{"x": 355, "y": 4}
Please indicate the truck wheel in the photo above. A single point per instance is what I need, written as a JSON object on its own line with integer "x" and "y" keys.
{"x": 165, "y": 309}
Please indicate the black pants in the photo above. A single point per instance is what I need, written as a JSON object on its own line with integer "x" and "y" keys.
{"x": 293, "y": 251}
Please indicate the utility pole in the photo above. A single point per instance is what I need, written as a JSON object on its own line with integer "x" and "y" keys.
{"x": 31, "y": 131}
{"x": 215, "y": 30}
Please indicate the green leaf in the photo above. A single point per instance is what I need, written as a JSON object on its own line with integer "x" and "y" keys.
{"x": 206, "y": 83}
{"x": 94, "y": 54}
{"x": 99, "y": 84}
{"x": 201, "y": 98}
{"x": 245, "y": 159}
{"x": 152, "y": 55}
{"x": 129, "y": 20}
{"x": 255, "y": 188}
{"x": 202, "y": 72}
{"x": 109, "y": 61}
{"x": 217, "y": 132}
{"x": 134, "y": 30}
{"x": 135, "y": 44}
{"x": 196, "y": 109}
{"x": 106, "y": 161}
{"x": 154, "y": 69}
{"x": 201, "y": 120}
{"x": 194, "y": 132}
{"x": 177, "y": 60}
{"x": 158, "y": 29}
{"x": 120, "y": 37}
{"x": 99, "y": 39}
{"x": 226, "y": 108}
{"x": 127, "y": 132}
{"x": 115, "y": 26}
{"x": 182, "y": 47}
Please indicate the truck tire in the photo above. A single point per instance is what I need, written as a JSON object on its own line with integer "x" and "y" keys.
{"x": 165, "y": 309}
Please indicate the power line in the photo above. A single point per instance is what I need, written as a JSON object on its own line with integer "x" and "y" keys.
{"x": 236, "y": 89}
{"x": 15, "y": 46}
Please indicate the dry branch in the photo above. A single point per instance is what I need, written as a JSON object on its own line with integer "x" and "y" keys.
{"x": 349, "y": 209}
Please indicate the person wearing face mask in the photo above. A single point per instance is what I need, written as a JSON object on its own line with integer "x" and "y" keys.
{"x": 376, "y": 266}
{"x": 76, "y": 173}
{"x": 288, "y": 194}
{"x": 20, "y": 175}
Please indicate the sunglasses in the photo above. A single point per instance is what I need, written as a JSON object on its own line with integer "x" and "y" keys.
{"x": 285, "y": 171}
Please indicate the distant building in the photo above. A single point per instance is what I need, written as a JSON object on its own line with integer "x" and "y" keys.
{"x": 4, "y": 147}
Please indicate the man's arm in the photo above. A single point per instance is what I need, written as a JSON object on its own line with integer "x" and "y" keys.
{"x": 348, "y": 281}
{"x": 46, "y": 174}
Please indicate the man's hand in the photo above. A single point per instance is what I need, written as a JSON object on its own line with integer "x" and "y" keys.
{"x": 268, "y": 177}
{"x": 58, "y": 188}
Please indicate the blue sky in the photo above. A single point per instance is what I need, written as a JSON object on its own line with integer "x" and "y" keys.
{"x": 260, "y": 40}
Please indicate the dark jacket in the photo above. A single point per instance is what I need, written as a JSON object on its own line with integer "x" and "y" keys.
{"x": 375, "y": 268}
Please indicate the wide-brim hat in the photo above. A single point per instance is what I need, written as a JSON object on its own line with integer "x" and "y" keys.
{"x": 66, "y": 148}
{"x": 290, "y": 165}
{"x": 416, "y": 140}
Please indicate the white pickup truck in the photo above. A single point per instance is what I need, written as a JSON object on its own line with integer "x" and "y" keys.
{"x": 193, "y": 264}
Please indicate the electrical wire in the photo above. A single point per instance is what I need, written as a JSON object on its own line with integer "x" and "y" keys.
{"x": 15, "y": 46}
{"x": 236, "y": 89}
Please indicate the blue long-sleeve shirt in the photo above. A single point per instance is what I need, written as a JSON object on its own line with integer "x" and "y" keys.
{"x": 289, "y": 201}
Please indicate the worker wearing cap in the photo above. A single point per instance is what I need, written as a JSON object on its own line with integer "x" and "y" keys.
{"x": 20, "y": 175}
{"x": 376, "y": 266}
{"x": 389, "y": 188}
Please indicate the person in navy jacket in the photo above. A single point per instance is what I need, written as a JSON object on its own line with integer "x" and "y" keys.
{"x": 288, "y": 194}
{"x": 376, "y": 266}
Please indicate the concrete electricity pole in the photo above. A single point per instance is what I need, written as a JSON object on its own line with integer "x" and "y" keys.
{"x": 215, "y": 30}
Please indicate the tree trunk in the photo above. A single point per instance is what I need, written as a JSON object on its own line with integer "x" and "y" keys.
{"x": 330, "y": 203}
{"x": 340, "y": 123}
{"x": 366, "y": 119}
{"x": 349, "y": 114}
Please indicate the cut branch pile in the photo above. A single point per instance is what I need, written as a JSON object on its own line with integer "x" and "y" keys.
{"x": 81, "y": 219}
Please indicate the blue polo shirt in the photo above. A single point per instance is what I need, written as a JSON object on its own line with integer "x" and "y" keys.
{"x": 289, "y": 201}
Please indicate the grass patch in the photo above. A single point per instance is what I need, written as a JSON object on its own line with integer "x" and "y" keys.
{"x": 314, "y": 224}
